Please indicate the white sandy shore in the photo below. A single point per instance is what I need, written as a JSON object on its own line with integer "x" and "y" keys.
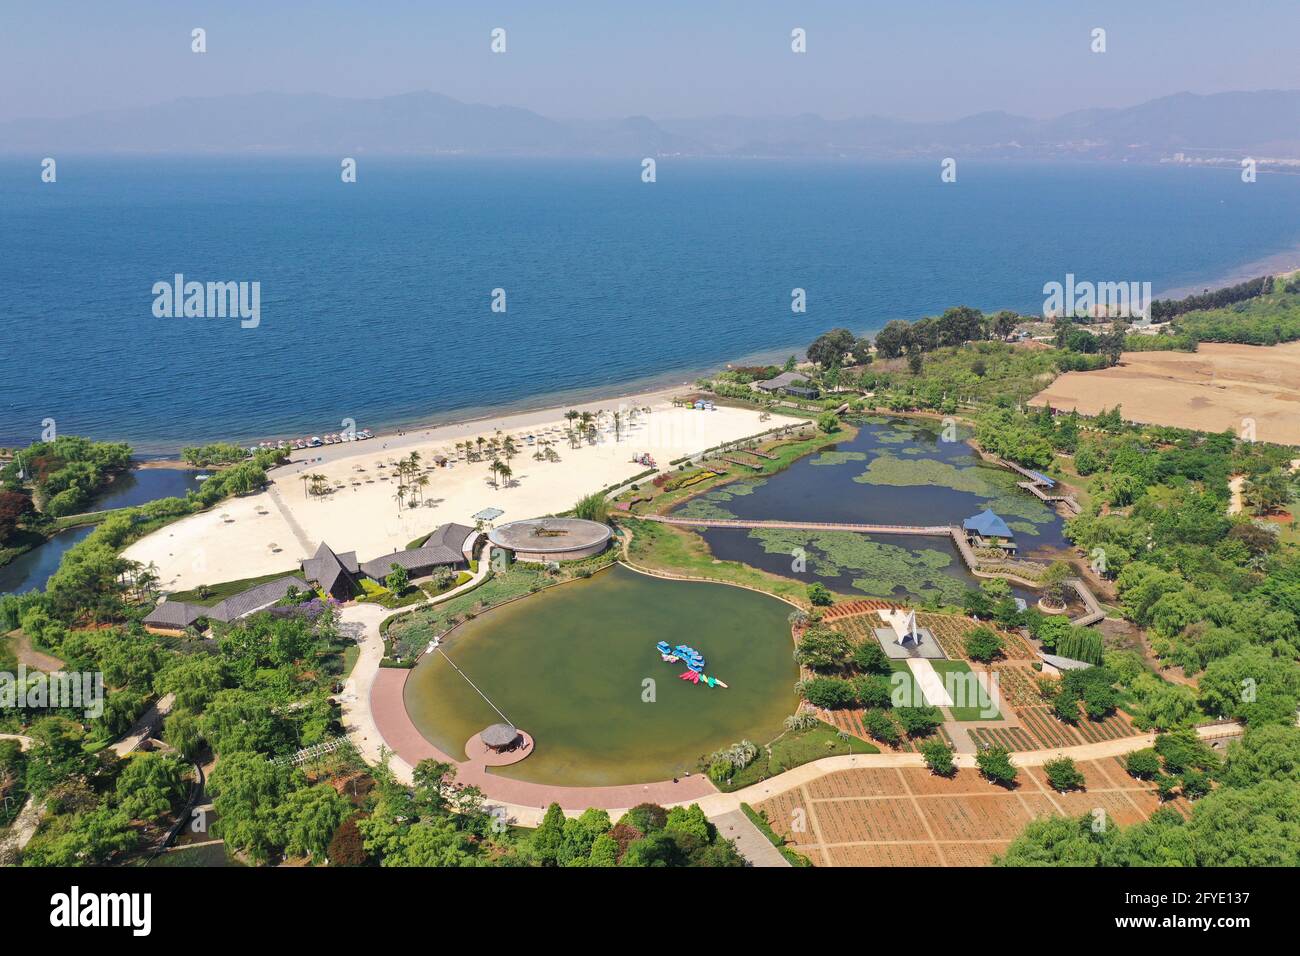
{"x": 270, "y": 532}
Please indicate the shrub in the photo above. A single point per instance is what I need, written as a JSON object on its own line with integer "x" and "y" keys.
{"x": 919, "y": 721}
{"x": 1143, "y": 764}
{"x": 346, "y": 847}
{"x": 938, "y": 757}
{"x": 818, "y": 594}
{"x": 1063, "y": 775}
{"x": 868, "y": 657}
{"x": 995, "y": 764}
{"x": 829, "y": 693}
{"x": 983, "y": 644}
{"x": 873, "y": 690}
{"x": 880, "y": 726}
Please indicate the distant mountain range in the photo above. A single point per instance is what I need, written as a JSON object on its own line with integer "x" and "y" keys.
{"x": 1219, "y": 126}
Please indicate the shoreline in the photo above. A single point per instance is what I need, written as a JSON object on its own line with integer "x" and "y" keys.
{"x": 521, "y": 412}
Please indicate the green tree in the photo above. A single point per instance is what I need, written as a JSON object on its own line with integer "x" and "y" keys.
{"x": 995, "y": 764}
{"x": 819, "y": 595}
{"x": 309, "y": 818}
{"x": 938, "y": 757}
{"x": 1063, "y": 775}
{"x": 398, "y": 579}
{"x": 150, "y": 785}
{"x": 982, "y": 644}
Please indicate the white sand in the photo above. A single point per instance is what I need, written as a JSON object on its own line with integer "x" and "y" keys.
{"x": 234, "y": 541}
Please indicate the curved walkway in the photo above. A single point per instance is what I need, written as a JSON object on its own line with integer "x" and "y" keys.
{"x": 806, "y": 773}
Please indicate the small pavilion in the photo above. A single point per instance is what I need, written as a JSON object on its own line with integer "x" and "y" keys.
{"x": 500, "y": 737}
{"x": 988, "y": 530}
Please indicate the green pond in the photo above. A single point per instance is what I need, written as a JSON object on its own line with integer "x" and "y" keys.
{"x": 569, "y": 666}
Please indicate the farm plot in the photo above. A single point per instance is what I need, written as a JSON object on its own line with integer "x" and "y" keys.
{"x": 858, "y": 782}
{"x": 1014, "y": 738}
{"x": 879, "y": 816}
{"x": 869, "y": 821}
{"x": 989, "y": 817}
{"x": 884, "y": 854}
{"x": 1016, "y": 684}
{"x": 1046, "y": 729}
{"x": 973, "y": 854}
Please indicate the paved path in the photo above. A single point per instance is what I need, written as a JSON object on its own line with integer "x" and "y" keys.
{"x": 750, "y": 842}
{"x": 22, "y": 829}
{"x": 375, "y": 719}
{"x": 24, "y": 743}
{"x": 805, "y": 774}
{"x": 299, "y": 535}
{"x": 146, "y": 725}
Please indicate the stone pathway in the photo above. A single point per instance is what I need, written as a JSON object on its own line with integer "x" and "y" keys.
{"x": 299, "y": 535}
{"x": 749, "y": 839}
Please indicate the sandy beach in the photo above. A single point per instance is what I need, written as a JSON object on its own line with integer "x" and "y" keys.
{"x": 272, "y": 531}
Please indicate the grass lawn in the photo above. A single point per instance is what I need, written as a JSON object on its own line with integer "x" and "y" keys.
{"x": 760, "y": 820}
{"x": 408, "y": 634}
{"x": 795, "y": 748}
{"x": 981, "y": 708}
{"x": 678, "y": 551}
{"x": 217, "y": 593}
{"x": 350, "y": 655}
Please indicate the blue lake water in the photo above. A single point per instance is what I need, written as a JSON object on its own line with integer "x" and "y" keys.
{"x": 375, "y": 295}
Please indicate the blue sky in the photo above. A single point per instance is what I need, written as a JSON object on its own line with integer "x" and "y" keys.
{"x": 922, "y": 59}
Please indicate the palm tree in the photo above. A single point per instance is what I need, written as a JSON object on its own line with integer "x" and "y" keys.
{"x": 618, "y": 426}
{"x": 508, "y": 446}
{"x": 571, "y": 416}
{"x": 400, "y": 496}
{"x": 318, "y": 485}
{"x": 480, "y": 442}
{"x": 421, "y": 483}
{"x": 496, "y": 468}
{"x": 505, "y": 471}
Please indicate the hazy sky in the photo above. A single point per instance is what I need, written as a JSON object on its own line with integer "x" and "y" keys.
{"x": 918, "y": 59}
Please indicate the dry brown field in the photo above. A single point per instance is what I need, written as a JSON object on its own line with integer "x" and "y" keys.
{"x": 1213, "y": 389}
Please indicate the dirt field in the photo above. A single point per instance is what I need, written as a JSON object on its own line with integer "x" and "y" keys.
{"x": 1212, "y": 390}
{"x": 910, "y": 817}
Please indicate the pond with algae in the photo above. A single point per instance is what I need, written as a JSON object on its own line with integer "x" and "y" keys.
{"x": 893, "y": 471}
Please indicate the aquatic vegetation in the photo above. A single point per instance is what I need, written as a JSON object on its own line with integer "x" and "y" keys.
{"x": 996, "y": 486}
{"x": 881, "y": 570}
{"x": 838, "y": 457}
{"x": 710, "y": 504}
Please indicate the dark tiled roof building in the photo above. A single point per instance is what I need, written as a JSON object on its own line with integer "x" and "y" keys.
{"x": 335, "y": 574}
{"x": 450, "y": 545}
{"x": 179, "y": 615}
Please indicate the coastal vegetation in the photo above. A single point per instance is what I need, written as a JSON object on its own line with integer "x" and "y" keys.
{"x": 64, "y": 474}
{"x": 1212, "y": 594}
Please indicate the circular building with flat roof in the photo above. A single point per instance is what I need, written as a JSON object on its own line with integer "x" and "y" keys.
{"x": 551, "y": 539}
